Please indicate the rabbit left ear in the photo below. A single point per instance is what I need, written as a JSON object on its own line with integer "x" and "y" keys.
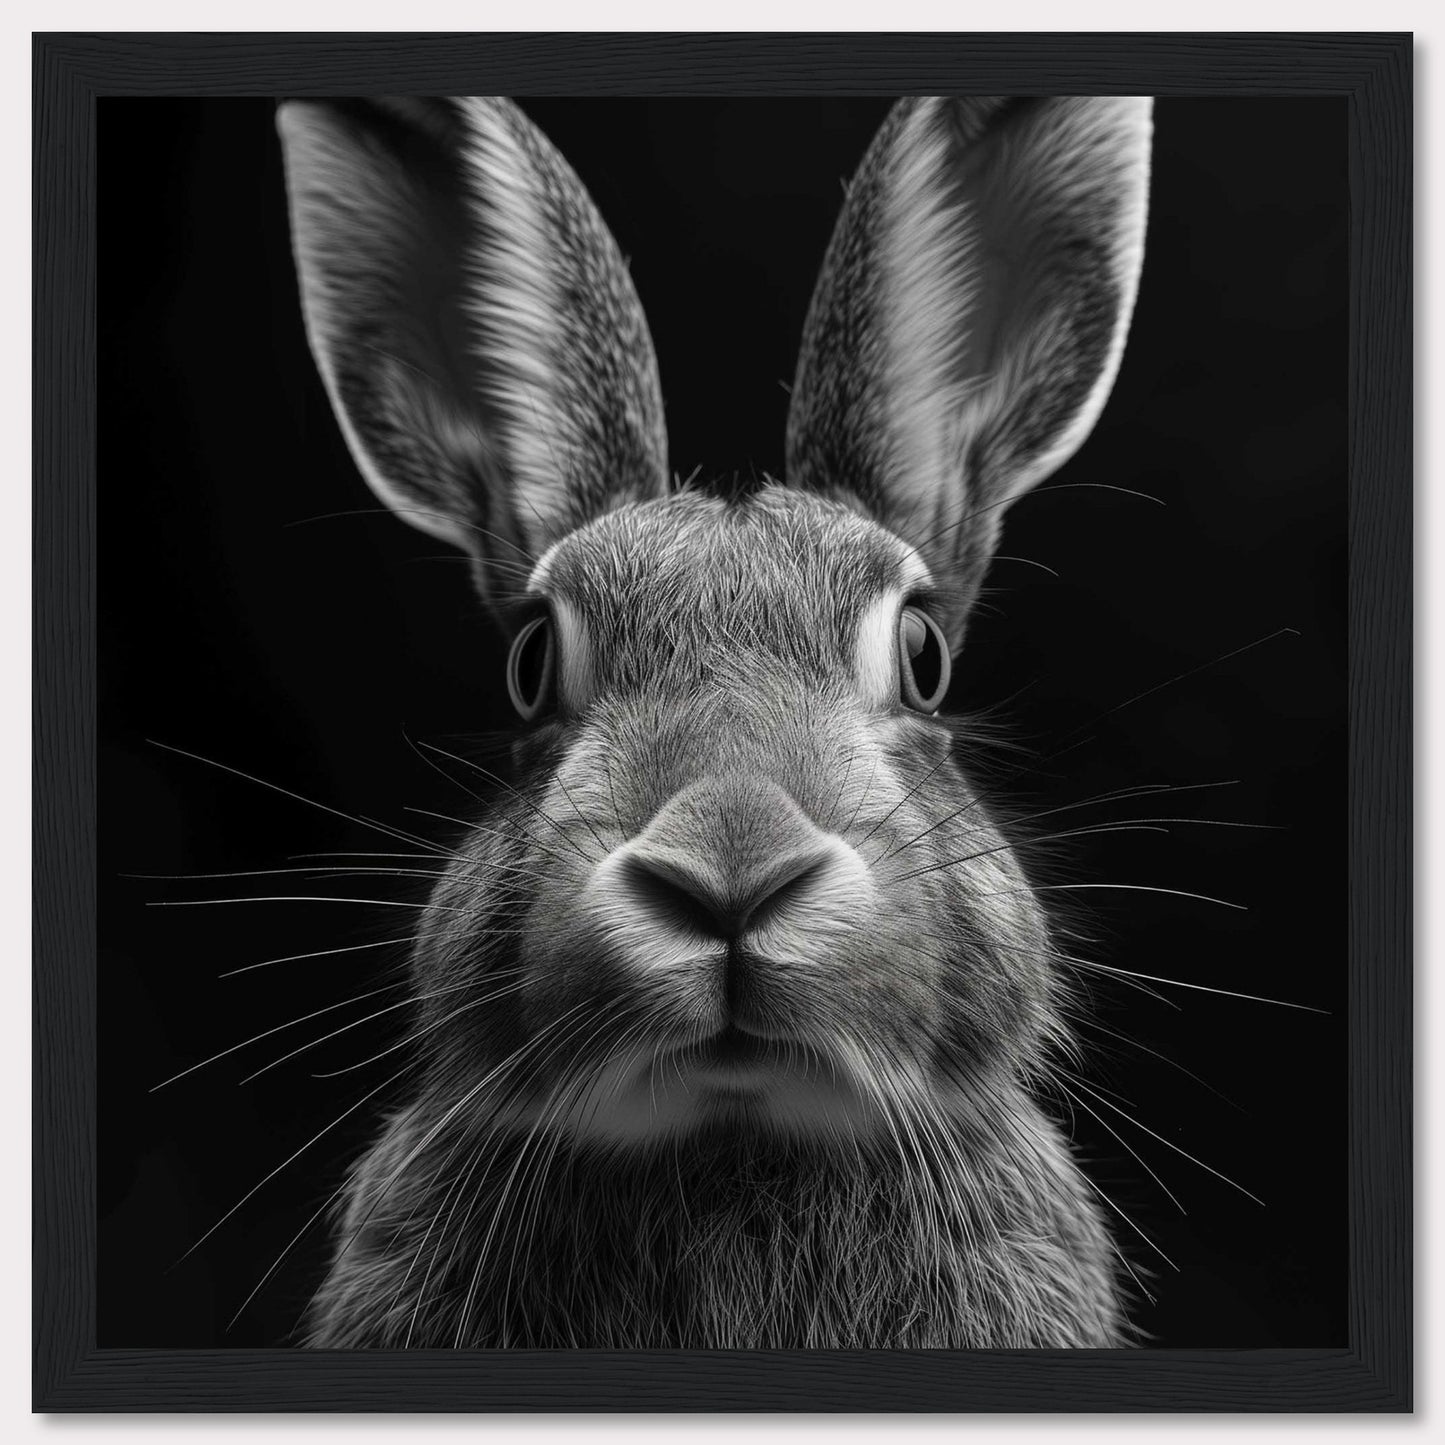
{"x": 472, "y": 318}
{"x": 971, "y": 314}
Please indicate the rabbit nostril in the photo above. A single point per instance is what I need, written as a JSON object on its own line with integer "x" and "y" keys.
{"x": 701, "y": 903}
{"x": 793, "y": 888}
{"x": 679, "y": 900}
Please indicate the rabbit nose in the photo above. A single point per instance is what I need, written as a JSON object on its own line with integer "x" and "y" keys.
{"x": 687, "y": 893}
{"x": 725, "y": 855}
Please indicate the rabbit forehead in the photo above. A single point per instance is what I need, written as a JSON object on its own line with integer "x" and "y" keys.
{"x": 774, "y": 571}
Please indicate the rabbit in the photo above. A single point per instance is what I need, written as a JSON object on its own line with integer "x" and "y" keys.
{"x": 732, "y": 1013}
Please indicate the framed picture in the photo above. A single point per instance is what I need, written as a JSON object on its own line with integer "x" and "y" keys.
{"x": 711, "y": 915}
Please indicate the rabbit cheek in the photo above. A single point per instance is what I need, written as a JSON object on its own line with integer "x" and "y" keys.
{"x": 979, "y": 942}
{"x": 999, "y": 991}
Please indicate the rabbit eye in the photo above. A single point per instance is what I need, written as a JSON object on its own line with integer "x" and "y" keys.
{"x": 531, "y": 669}
{"x": 923, "y": 665}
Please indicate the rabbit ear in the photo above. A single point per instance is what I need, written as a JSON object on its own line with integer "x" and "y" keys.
{"x": 472, "y": 318}
{"x": 971, "y": 314}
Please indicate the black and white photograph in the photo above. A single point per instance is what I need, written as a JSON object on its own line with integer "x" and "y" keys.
{"x": 722, "y": 722}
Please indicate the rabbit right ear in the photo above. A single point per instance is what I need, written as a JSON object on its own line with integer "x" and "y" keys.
{"x": 971, "y": 315}
{"x": 474, "y": 323}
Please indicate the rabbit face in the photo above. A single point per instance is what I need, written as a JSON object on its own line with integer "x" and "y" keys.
{"x": 752, "y": 877}
{"x": 743, "y": 877}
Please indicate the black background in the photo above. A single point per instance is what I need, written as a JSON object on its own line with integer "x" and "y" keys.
{"x": 241, "y": 619}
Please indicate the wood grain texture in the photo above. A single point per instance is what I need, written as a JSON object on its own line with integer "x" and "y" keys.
{"x": 1374, "y": 1374}
{"x": 1380, "y": 739}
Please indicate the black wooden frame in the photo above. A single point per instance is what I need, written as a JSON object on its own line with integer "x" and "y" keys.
{"x": 1374, "y": 1373}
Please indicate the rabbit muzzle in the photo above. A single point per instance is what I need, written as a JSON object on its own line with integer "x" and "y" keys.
{"x": 735, "y": 894}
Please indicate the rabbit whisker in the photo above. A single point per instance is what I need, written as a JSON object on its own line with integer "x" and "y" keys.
{"x": 1007, "y": 847}
{"x": 341, "y": 853}
{"x": 506, "y": 837}
{"x": 1199, "y": 987}
{"x": 1146, "y": 790}
{"x": 307, "y": 898}
{"x": 847, "y": 772}
{"x": 285, "y": 1253}
{"x": 1092, "y": 1024}
{"x": 1026, "y": 561}
{"x": 909, "y": 794}
{"x": 321, "y": 953}
{"x": 1073, "y": 739}
{"x": 863, "y": 796}
{"x": 437, "y": 768}
{"x": 314, "y": 870}
{"x": 1129, "y": 887}
{"x": 291, "y": 1158}
{"x": 448, "y": 517}
{"x": 1038, "y": 492}
{"x": 296, "y": 797}
{"x": 1168, "y": 1143}
{"x": 279, "y": 1028}
{"x": 1170, "y": 682}
{"x": 409, "y": 1002}
{"x": 420, "y": 1033}
{"x": 1102, "y": 1195}
{"x": 523, "y": 798}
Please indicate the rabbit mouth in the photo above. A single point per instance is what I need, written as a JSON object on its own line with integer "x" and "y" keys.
{"x": 733, "y": 1047}
{"x": 732, "y": 1077}
{"x": 736, "y": 1058}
